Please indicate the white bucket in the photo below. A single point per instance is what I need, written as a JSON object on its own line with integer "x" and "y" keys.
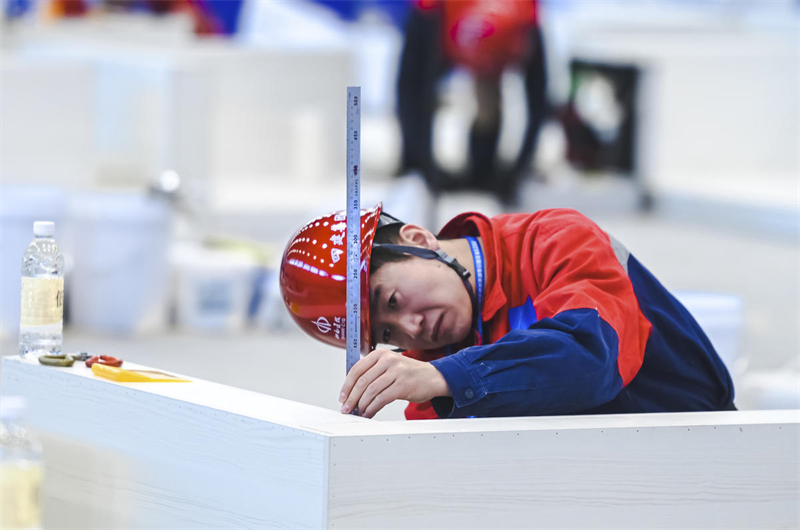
{"x": 119, "y": 280}
{"x": 213, "y": 288}
{"x": 20, "y": 206}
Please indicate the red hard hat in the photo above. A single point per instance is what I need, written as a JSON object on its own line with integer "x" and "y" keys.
{"x": 486, "y": 35}
{"x": 313, "y": 276}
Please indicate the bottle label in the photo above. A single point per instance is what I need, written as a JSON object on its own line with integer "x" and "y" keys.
{"x": 42, "y": 301}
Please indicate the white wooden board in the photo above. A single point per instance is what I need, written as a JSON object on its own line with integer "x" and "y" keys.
{"x": 202, "y": 455}
{"x": 181, "y": 463}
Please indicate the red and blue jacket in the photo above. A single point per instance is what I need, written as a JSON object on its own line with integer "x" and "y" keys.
{"x": 572, "y": 324}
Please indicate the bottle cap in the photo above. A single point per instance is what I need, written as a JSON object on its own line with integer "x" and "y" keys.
{"x": 12, "y": 407}
{"x": 44, "y": 228}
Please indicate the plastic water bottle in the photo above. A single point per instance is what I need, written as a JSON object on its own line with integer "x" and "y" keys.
{"x": 42, "y": 312}
{"x": 21, "y": 468}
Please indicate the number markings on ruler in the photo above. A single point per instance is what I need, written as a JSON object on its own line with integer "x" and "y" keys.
{"x": 353, "y": 330}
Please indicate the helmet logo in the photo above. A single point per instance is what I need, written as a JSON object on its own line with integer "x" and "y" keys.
{"x": 336, "y": 254}
{"x": 323, "y": 325}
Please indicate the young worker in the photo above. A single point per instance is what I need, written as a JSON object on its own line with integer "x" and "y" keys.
{"x": 520, "y": 314}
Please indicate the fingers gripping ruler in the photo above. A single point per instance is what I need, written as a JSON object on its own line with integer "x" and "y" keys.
{"x": 353, "y": 211}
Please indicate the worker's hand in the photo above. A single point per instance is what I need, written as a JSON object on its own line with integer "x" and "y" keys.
{"x": 384, "y": 376}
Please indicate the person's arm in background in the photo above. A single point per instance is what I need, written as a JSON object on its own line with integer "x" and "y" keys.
{"x": 586, "y": 345}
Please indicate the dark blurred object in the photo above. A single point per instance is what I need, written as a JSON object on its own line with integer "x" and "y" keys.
{"x": 160, "y": 7}
{"x": 599, "y": 119}
{"x": 156, "y": 7}
{"x": 121, "y": 5}
{"x": 486, "y": 38}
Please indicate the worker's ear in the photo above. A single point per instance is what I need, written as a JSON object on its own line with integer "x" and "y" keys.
{"x": 418, "y": 236}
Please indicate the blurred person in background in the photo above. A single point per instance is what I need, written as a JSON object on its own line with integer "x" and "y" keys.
{"x": 487, "y": 38}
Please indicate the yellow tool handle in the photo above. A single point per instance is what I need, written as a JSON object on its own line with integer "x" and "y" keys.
{"x": 121, "y": 375}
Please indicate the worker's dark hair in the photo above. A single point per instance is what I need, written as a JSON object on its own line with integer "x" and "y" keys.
{"x": 386, "y": 235}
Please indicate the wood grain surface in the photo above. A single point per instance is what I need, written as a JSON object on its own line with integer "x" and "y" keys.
{"x": 204, "y": 455}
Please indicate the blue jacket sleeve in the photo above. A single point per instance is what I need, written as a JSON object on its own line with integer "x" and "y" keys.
{"x": 559, "y": 365}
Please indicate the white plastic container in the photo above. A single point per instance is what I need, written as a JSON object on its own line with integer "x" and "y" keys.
{"x": 213, "y": 288}
{"x": 119, "y": 281}
{"x": 20, "y": 207}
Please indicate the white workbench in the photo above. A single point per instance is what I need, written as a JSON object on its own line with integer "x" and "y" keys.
{"x": 205, "y": 455}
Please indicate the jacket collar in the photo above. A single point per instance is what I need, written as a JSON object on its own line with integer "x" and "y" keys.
{"x": 476, "y": 224}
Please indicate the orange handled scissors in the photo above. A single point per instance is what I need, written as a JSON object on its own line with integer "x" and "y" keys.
{"x": 103, "y": 359}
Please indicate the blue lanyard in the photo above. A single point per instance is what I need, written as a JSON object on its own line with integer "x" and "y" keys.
{"x": 477, "y": 258}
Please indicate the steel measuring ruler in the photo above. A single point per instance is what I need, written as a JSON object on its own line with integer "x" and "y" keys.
{"x": 353, "y": 212}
